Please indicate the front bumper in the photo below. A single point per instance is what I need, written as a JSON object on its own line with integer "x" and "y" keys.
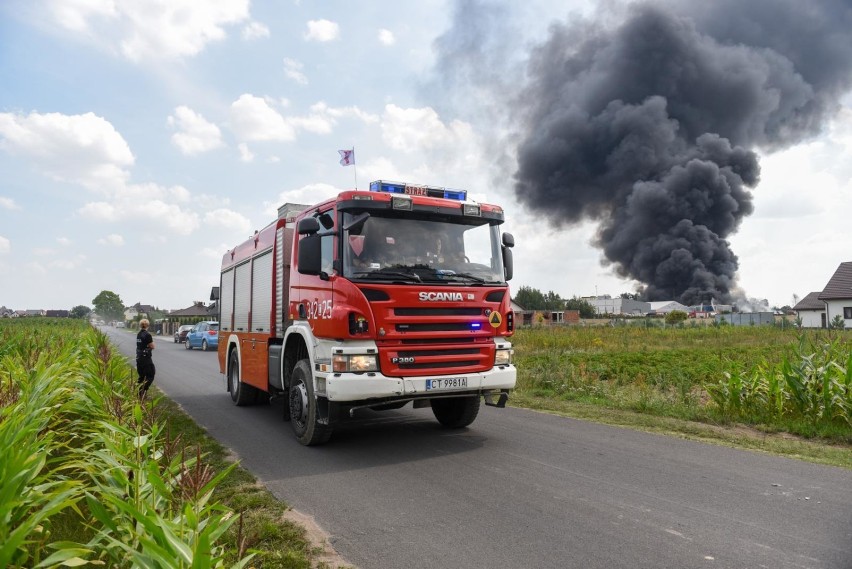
{"x": 343, "y": 387}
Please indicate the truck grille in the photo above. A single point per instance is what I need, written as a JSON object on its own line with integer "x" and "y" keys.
{"x": 435, "y": 340}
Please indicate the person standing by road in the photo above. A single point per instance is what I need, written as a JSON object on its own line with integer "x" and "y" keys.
{"x": 144, "y": 361}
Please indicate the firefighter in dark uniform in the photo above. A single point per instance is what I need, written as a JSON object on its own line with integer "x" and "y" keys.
{"x": 144, "y": 362}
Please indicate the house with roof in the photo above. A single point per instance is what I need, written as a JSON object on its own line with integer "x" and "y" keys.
{"x": 837, "y": 295}
{"x": 811, "y": 310}
{"x": 131, "y": 312}
{"x": 195, "y": 313}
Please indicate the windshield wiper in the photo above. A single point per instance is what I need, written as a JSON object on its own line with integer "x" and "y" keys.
{"x": 465, "y": 276}
{"x": 393, "y": 274}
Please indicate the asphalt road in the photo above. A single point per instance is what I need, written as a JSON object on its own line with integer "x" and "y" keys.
{"x": 523, "y": 489}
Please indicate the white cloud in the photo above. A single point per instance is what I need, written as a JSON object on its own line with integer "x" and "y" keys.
{"x": 113, "y": 239}
{"x": 255, "y": 30}
{"x": 322, "y": 30}
{"x": 446, "y": 151}
{"x": 253, "y": 119}
{"x": 36, "y": 267}
{"x": 84, "y": 149}
{"x": 195, "y": 134}
{"x": 215, "y": 253}
{"x": 135, "y": 276}
{"x": 344, "y": 112}
{"x": 68, "y": 264}
{"x": 64, "y": 241}
{"x": 293, "y": 70}
{"x": 8, "y": 203}
{"x": 150, "y": 203}
{"x": 227, "y": 219}
{"x": 150, "y": 30}
{"x": 306, "y": 195}
{"x": 245, "y": 154}
{"x": 5, "y": 245}
{"x": 386, "y": 37}
{"x": 43, "y": 251}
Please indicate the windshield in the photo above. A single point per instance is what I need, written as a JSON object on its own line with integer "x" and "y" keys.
{"x": 420, "y": 250}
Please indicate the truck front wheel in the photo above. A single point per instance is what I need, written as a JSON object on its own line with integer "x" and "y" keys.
{"x": 303, "y": 407}
{"x": 456, "y": 412}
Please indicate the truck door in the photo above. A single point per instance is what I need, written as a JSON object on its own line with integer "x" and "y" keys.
{"x": 313, "y": 295}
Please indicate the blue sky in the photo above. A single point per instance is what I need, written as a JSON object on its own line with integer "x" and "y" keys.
{"x": 141, "y": 140}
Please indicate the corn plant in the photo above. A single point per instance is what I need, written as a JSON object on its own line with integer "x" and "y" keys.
{"x": 76, "y": 441}
{"x": 813, "y": 383}
{"x": 32, "y": 489}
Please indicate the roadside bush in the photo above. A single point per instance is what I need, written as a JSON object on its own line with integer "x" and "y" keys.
{"x": 676, "y": 317}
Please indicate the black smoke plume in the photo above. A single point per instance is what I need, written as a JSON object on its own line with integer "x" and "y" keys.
{"x": 649, "y": 125}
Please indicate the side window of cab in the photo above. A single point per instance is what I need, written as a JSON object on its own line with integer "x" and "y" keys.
{"x": 326, "y": 220}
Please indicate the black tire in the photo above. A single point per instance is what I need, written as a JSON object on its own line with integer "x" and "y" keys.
{"x": 176, "y": 340}
{"x": 456, "y": 412}
{"x": 241, "y": 394}
{"x": 303, "y": 407}
{"x": 203, "y": 345}
{"x": 186, "y": 345}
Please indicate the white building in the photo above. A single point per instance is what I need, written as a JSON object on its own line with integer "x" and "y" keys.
{"x": 625, "y": 306}
{"x": 666, "y": 306}
{"x": 811, "y": 310}
{"x": 837, "y": 295}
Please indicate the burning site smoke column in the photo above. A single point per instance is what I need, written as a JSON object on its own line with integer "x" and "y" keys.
{"x": 649, "y": 127}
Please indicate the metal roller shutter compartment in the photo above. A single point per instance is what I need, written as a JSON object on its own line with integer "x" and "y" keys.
{"x": 242, "y": 297}
{"x": 261, "y": 297}
{"x": 226, "y": 300}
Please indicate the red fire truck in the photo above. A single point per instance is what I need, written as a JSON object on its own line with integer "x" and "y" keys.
{"x": 371, "y": 299}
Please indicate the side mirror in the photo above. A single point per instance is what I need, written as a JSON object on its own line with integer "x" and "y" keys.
{"x": 508, "y": 269}
{"x": 508, "y": 243}
{"x": 308, "y": 226}
{"x": 310, "y": 251}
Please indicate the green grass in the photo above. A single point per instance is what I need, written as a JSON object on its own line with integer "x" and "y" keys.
{"x": 681, "y": 376}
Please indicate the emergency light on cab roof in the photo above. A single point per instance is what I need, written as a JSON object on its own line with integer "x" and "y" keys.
{"x": 412, "y": 190}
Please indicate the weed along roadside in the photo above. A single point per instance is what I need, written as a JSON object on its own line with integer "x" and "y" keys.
{"x": 92, "y": 477}
{"x": 772, "y": 389}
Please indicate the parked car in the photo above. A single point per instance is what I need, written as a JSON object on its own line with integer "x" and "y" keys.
{"x": 180, "y": 333}
{"x": 204, "y": 335}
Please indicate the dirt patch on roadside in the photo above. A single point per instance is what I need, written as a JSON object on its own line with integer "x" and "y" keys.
{"x": 325, "y": 555}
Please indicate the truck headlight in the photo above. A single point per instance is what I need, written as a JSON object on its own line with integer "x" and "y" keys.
{"x": 342, "y": 363}
{"x": 503, "y": 357}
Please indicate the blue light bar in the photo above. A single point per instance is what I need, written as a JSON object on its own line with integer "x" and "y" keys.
{"x": 412, "y": 190}
{"x": 476, "y": 325}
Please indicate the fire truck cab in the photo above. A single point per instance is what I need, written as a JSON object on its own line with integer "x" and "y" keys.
{"x": 372, "y": 299}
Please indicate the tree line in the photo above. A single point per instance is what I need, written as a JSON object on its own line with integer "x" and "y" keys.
{"x": 533, "y": 299}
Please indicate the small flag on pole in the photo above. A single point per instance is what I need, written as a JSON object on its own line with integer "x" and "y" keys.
{"x": 347, "y": 157}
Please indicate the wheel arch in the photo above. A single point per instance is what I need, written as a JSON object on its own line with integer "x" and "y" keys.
{"x": 233, "y": 347}
{"x": 297, "y": 346}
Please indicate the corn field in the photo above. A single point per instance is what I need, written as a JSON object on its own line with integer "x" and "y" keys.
{"x": 89, "y": 476}
{"x": 813, "y": 383}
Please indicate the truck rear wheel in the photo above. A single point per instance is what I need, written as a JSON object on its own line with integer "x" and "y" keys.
{"x": 303, "y": 407}
{"x": 241, "y": 394}
{"x": 456, "y": 412}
